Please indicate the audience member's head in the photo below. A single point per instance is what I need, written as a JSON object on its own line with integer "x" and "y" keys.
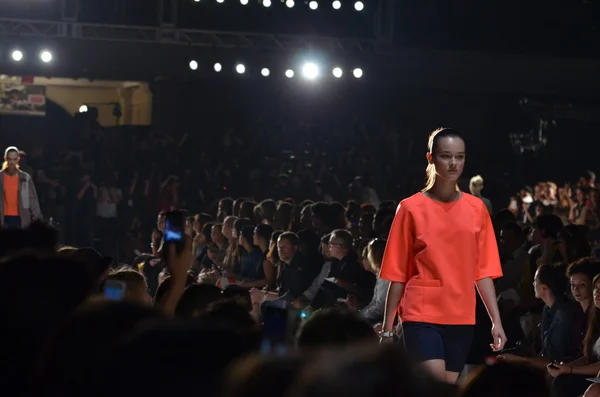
{"x": 506, "y": 380}
{"x": 334, "y": 327}
{"x": 196, "y": 299}
{"x": 136, "y": 289}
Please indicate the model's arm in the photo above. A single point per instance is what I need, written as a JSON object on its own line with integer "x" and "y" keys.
{"x": 394, "y": 295}
{"x": 487, "y": 292}
{"x": 488, "y": 268}
{"x": 34, "y": 204}
{"x": 396, "y": 264}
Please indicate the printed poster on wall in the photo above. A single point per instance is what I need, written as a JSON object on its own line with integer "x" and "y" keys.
{"x": 22, "y": 99}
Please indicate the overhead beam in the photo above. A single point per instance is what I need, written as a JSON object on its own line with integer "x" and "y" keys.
{"x": 187, "y": 37}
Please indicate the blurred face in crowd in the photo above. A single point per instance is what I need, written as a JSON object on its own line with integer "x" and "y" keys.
{"x": 325, "y": 250}
{"x": 365, "y": 225}
{"x": 597, "y": 294}
{"x": 336, "y": 249}
{"x": 477, "y": 187}
{"x": 581, "y": 287}
{"x": 160, "y": 222}
{"x": 580, "y": 196}
{"x": 215, "y": 233}
{"x": 227, "y": 231}
{"x": 306, "y": 216}
{"x": 197, "y": 227}
{"x": 189, "y": 227}
{"x": 448, "y": 158}
{"x": 12, "y": 159}
{"x": 286, "y": 250}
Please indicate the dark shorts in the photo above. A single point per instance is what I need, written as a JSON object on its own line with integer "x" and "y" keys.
{"x": 451, "y": 343}
{"x": 12, "y": 222}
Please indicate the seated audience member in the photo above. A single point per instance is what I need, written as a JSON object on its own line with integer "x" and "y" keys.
{"x": 348, "y": 273}
{"x": 335, "y": 327}
{"x": 196, "y": 299}
{"x": 261, "y": 237}
{"x": 138, "y": 367}
{"x": 252, "y": 273}
{"x": 84, "y": 344}
{"x": 262, "y": 376}
{"x": 570, "y": 379}
{"x": 506, "y": 380}
{"x": 36, "y": 296}
{"x": 365, "y": 371}
{"x": 373, "y": 311}
{"x": 294, "y": 274}
{"x": 136, "y": 289}
{"x": 560, "y": 340}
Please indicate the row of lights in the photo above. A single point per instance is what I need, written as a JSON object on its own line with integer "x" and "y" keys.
{"x": 44, "y": 55}
{"x": 313, "y": 5}
{"x": 309, "y": 71}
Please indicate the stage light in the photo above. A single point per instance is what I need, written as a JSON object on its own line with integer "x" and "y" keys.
{"x": 240, "y": 68}
{"x": 197, "y": 1}
{"x": 265, "y": 72}
{"x": 313, "y": 5}
{"x": 17, "y": 55}
{"x": 337, "y": 4}
{"x": 46, "y": 56}
{"x": 289, "y": 3}
{"x": 310, "y": 71}
{"x": 218, "y": 67}
{"x": 220, "y": 1}
{"x": 266, "y": 3}
{"x": 193, "y": 65}
{"x": 289, "y": 73}
{"x": 359, "y": 6}
{"x": 337, "y": 72}
{"x": 83, "y": 109}
{"x": 244, "y": 2}
{"x": 357, "y": 73}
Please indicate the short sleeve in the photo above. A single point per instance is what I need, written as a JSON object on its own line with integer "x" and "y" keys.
{"x": 398, "y": 257}
{"x": 488, "y": 258}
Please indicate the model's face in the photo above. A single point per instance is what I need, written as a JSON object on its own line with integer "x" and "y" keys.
{"x": 449, "y": 158}
{"x": 12, "y": 159}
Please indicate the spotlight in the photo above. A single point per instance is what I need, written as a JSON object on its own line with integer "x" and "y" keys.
{"x": 193, "y": 65}
{"x": 337, "y": 4}
{"x": 83, "y": 109}
{"x": 289, "y": 3}
{"x": 265, "y": 72}
{"x": 197, "y": 1}
{"x": 289, "y": 73}
{"x": 266, "y": 3}
{"x": 337, "y": 72}
{"x": 218, "y": 67}
{"x": 313, "y": 5}
{"x": 310, "y": 71}
{"x": 359, "y": 6}
{"x": 46, "y": 56}
{"x": 357, "y": 73}
{"x": 220, "y": 1}
{"x": 17, "y": 55}
{"x": 244, "y": 2}
{"x": 240, "y": 68}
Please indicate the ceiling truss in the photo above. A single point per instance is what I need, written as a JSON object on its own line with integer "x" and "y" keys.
{"x": 185, "y": 37}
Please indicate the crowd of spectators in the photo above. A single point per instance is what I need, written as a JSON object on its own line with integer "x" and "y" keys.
{"x": 284, "y": 241}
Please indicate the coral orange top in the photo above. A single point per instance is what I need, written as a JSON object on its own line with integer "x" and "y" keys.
{"x": 11, "y": 195}
{"x": 439, "y": 250}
